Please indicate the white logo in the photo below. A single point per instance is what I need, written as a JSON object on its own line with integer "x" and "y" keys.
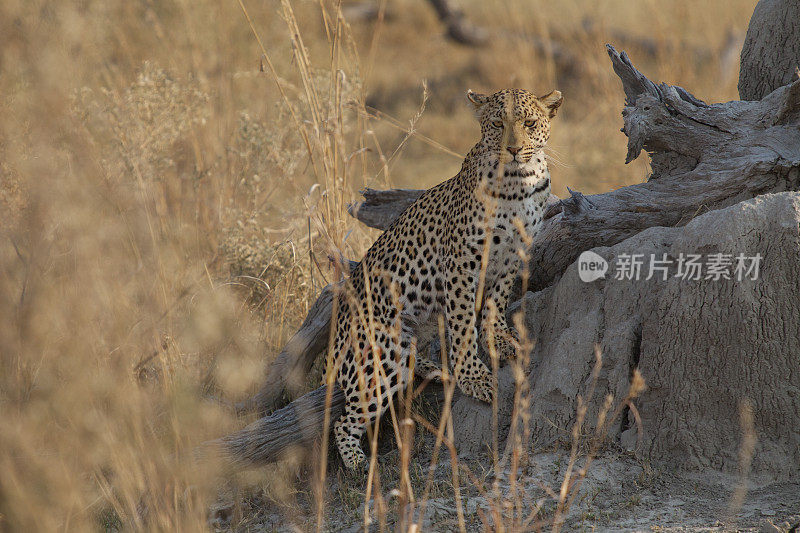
{"x": 591, "y": 266}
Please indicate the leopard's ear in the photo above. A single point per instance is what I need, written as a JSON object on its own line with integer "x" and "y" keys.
{"x": 478, "y": 100}
{"x": 551, "y": 102}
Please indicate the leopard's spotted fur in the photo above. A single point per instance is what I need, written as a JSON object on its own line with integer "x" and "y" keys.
{"x": 429, "y": 261}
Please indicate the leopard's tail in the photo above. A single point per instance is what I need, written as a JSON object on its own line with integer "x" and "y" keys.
{"x": 269, "y": 438}
{"x": 426, "y": 369}
{"x": 297, "y": 425}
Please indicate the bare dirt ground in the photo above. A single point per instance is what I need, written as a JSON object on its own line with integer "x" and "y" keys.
{"x": 620, "y": 493}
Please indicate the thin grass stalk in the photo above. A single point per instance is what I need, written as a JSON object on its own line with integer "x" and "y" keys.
{"x": 746, "y": 450}
{"x": 372, "y": 113}
{"x": 456, "y": 484}
{"x": 449, "y": 388}
{"x": 274, "y": 73}
{"x": 333, "y": 364}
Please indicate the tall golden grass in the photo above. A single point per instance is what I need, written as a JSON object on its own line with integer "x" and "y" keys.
{"x": 172, "y": 175}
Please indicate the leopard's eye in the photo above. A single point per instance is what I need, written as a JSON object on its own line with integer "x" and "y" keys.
{"x": 497, "y": 124}
{"x": 530, "y": 123}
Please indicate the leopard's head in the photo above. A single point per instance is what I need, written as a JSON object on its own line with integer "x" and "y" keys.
{"x": 515, "y": 124}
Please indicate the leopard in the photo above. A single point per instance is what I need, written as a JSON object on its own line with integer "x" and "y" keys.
{"x": 454, "y": 253}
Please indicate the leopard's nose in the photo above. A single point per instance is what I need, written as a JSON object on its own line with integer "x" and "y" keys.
{"x": 513, "y": 149}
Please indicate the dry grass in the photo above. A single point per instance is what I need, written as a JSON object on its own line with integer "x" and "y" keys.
{"x": 149, "y": 170}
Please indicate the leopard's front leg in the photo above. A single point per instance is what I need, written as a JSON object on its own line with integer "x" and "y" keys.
{"x": 472, "y": 375}
{"x": 496, "y": 333}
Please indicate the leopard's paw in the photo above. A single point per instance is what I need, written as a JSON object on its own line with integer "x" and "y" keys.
{"x": 506, "y": 343}
{"x": 481, "y": 388}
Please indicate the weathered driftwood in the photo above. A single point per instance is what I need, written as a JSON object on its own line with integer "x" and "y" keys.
{"x": 771, "y": 52}
{"x": 380, "y": 208}
{"x": 704, "y": 157}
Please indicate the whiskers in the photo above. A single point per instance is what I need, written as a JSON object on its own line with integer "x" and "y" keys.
{"x": 555, "y": 157}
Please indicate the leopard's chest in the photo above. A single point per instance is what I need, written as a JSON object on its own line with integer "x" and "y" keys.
{"x": 519, "y": 208}
{"x": 515, "y": 222}
{"x": 517, "y": 217}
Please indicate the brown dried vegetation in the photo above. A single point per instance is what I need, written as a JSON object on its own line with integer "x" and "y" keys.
{"x": 168, "y": 206}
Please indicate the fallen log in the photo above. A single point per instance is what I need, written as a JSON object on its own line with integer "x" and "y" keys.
{"x": 380, "y": 208}
{"x": 703, "y": 157}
